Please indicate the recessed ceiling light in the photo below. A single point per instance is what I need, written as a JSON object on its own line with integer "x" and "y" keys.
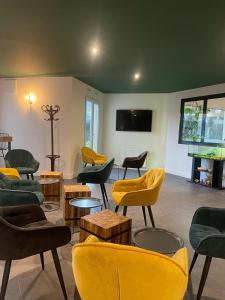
{"x": 137, "y": 76}
{"x": 94, "y": 50}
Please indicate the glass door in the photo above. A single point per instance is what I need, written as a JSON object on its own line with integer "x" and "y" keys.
{"x": 92, "y": 124}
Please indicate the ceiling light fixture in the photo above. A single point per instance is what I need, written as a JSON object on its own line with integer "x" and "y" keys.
{"x": 137, "y": 76}
{"x": 94, "y": 51}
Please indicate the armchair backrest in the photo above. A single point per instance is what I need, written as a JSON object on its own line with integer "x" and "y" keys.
{"x": 119, "y": 272}
{"x": 18, "y": 158}
{"x": 106, "y": 170}
{"x": 142, "y": 158}
{"x": 88, "y": 155}
{"x": 153, "y": 180}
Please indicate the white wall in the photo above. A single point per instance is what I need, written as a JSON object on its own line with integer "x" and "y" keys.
{"x": 120, "y": 144}
{"x": 29, "y": 130}
{"x": 177, "y": 162}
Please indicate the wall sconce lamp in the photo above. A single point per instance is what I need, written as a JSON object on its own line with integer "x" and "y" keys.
{"x": 30, "y": 98}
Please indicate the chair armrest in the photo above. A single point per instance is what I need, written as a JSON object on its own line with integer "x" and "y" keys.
{"x": 128, "y": 185}
{"x": 35, "y": 165}
{"x": 101, "y": 156}
{"x": 213, "y": 245}
{"x": 210, "y": 216}
{"x": 16, "y": 197}
{"x": 26, "y": 185}
{"x": 33, "y": 240}
{"x": 181, "y": 258}
{"x": 23, "y": 214}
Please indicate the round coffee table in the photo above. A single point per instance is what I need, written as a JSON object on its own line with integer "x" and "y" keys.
{"x": 158, "y": 240}
{"x": 83, "y": 203}
{"x": 45, "y": 187}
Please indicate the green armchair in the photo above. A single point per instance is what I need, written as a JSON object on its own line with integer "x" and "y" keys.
{"x": 19, "y": 192}
{"x": 23, "y": 161}
{"x": 97, "y": 175}
{"x": 207, "y": 237}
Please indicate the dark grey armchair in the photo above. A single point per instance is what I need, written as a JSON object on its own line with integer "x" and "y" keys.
{"x": 24, "y": 231}
{"x": 23, "y": 161}
{"x": 134, "y": 162}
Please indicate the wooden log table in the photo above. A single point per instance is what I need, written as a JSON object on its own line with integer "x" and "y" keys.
{"x": 52, "y": 192}
{"x": 108, "y": 226}
{"x": 71, "y": 192}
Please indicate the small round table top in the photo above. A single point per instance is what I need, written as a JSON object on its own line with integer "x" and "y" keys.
{"x": 86, "y": 202}
{"x": 158, "y": 240}
{"x": 43, "y": 181}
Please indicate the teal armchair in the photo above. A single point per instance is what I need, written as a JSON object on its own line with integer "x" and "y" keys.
{"x": 207, "y": 237}
{"x": 23, "y": 161}
{"x": 19, "y": 192}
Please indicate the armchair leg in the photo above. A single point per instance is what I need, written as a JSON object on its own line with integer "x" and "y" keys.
{"x": 144, "y": 214}
{"x": 193, "y": 262}
{"x": 205, "y": 272}
{"x": 116, "y": 209}
{"x": 32, "y": 176}
{"x": 59, "y": 272}
{"x": 5, "y": 279}
{"x": 103, "y": 194}
{"x": 151, "y": 216}
{"x": 42, "y": 260}
{"x": 124, "y": 174}
{"x": 139, "y": 173}
{"x": 28, "y": 176}
{"x": 125, "y": 210}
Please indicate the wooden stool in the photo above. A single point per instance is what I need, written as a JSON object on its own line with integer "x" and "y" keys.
{"x": 52, "y": 192}
{"x": 108, "y": 226}
{"x": 71, "y": 192}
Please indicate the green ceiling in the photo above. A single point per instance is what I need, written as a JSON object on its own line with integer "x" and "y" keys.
{"x": 175, "y": 44}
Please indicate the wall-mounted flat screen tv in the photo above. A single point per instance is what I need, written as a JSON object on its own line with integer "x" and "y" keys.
{"x": 134, "y": 120}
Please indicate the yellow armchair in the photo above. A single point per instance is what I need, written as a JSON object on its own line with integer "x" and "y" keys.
{"x": 142, "y": 191}
{"x": 117, "y": 272}
{"x": 89, "y": 156}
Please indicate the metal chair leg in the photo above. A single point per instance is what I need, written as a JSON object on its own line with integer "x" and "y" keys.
{"x": 151, "y": 216}
{"x": 5, "y": 279}
{"x": 193, "y": 261}
{"x": 139, "y": 173}
{"x": 32, "y": 176}
{"x": 124, "y": 174}
{"x": 116, "y": 209}
{"x": 59, "y": 272}
{"x": 106, "y": 196}
{"x": 144, "y": 214}
{"x": 125, "y": 210}
{"x": 28, "y": 176}
{"x": 42, "y": 260}
{"x": 103, "y": 195}
{"x": 205, "y": 272}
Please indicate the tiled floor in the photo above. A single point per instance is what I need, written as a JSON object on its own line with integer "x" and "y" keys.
{"x": 174, "y": 210}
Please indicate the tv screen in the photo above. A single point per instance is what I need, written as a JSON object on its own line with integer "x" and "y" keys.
{"x": 133, "y": 120}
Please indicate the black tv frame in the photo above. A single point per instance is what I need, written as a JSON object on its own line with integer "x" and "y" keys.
{"x": 135, "y": 109}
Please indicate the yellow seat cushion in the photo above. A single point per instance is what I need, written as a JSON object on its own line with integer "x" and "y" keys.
{"x": 11, "y": 173}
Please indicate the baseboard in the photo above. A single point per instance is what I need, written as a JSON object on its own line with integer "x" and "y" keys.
{"x": 177, "y": 173}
